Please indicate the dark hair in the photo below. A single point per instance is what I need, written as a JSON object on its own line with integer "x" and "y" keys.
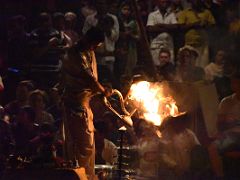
{"x": 95, "y": 34}
{"x": 44, "y": 17}
{"x": 28, "y": 84}
{"x": 30, "y": 112}
{"x": 58, "y": 15}
{"x": 35, "y": 93}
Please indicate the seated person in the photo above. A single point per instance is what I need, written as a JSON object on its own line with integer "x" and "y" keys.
{"x": 186, "y": 69}
{"x": 215, "y": 69}
{"x": 166, "y": 69}
{"x": 43, "y": 143}
{"x": 168, "y": 155}
{"x": 38, "y": 101}
{"x": 216, "y": 73}
{"x": 24, "y": 130}
{"x": 22, "y": 96}
{"x": 228, "y": 123}
{"x": 180, "y": 142}
{"x": 106, "y": 151}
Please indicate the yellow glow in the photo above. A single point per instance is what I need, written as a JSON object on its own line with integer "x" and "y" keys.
{"x": 152, "y": 103}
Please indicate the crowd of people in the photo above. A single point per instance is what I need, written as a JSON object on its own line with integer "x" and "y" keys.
{"x": 189, "y": 41}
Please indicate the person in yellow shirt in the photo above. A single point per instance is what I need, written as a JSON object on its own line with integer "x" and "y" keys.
{"x": 195, "y": 21}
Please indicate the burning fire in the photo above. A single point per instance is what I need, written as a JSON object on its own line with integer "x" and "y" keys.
{"x": 152, "y": 102}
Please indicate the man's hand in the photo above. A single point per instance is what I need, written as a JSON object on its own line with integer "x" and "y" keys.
{"x": 107, "y": 92}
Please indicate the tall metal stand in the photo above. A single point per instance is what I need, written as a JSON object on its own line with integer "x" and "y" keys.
{"x": 121, "y": 131}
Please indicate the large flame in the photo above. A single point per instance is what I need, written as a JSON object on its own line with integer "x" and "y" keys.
{"x": 152, "y": 102}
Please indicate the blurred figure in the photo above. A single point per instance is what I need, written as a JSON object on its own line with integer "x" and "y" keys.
{"x": 218, "y": 9}
{"x": 59, "y": 24}
{"x": 17, "y": 62}
{"x": 38, "y": 100}
{"x": 215, "y": 69}
{"x": 109, "y": 23}
{"x": 176, "y": 7}
{"x": 166, "y": 69}
{"x": 178, "y": 36}
{"x": 216, "y": 73}
{"x": 196, "y": 21}
{"x": 180, "y": 142}
{"x": 87, "y": 8}
{"x": 106, "y": 151}
{"x": 126, "y": 47}
{"x": 24, "y": 130}
{"x": 149, "y": 149}
{"x": 70, "y": 26}
{"x": 228, "y": 126}
{"x": 186, "y": 70}
{"x": 218, "y": 35}
{"x": 22, "y": 99}
{"x": 160, "y": 24}
{"x": 1, "y": 84}
{"x": 45, "y": 43}
{"x": 54, "y": 105}
{"x": 6, "y": 139}
{"x": 233, "y": 36}
{"x": 43, "y": 143}
{"x": 125, "y": 84}
{"x": 143, "y": 10}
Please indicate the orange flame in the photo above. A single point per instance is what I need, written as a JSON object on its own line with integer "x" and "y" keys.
{"x": 152, "y": 102}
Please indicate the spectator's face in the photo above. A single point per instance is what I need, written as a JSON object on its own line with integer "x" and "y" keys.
{"x": 37, "y": 102}
{"x": 164, "y": 58}
{"x": 60, "y": 24}
{"x": 220, "y": 57}
{"x": 102, "y": 8}
{"x": 163, "y": 4}
{"x": 70, "y": 24}
{"x": 186, "y": 58}
{"x": 24, "y": 119}
{"x": 22, "y": 93}
{"x": 125, "y": 10}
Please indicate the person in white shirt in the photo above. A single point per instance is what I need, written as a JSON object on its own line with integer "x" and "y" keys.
{"x": 215, "y": 69}
{"x": 159, "y": 24}
{"x": 180, "y": 142}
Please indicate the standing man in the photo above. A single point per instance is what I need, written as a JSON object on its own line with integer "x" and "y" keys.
{"x": 160, "y": 24}
{"x": 80, "y": 83}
